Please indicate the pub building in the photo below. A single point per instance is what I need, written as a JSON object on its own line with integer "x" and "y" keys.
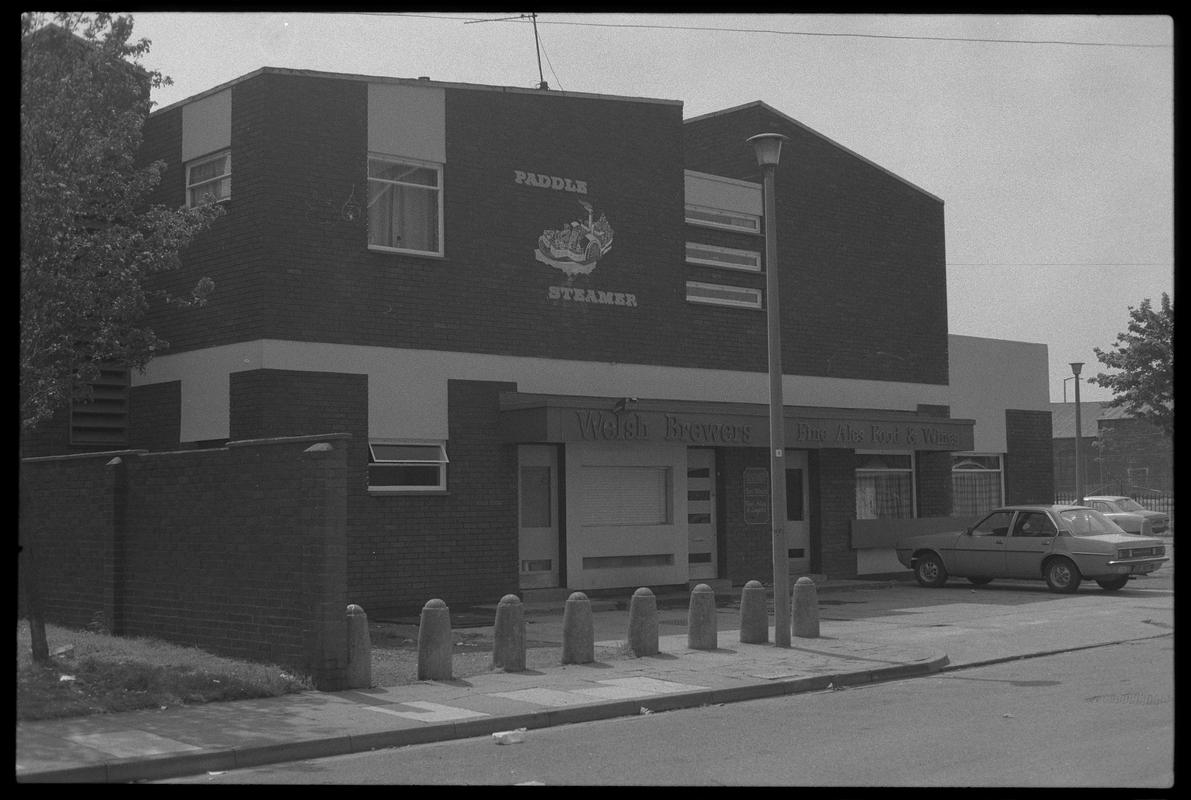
{"x": 541, "y": 317}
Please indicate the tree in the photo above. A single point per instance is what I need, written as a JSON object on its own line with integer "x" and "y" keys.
{"x": 1144, "y": 356}
{"x": 90, "y": 241}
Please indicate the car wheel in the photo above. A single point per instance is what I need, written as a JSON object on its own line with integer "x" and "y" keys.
{"x": 1062, "y": 575}
{"x": 1114, "y": 583}
{"x": 979, "y": 581}
{"x": 930, "y": 572}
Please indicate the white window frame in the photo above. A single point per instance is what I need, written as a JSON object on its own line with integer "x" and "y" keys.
{"x": 710, "y": 259}
{"x": 912, "y": 471}
{"x": 437, "y": 167}
{"x": 440, "y": 461}
{"x": 739, "y": 221}
{"x": 225, "y": 153}
{"x": 756, "y": 303}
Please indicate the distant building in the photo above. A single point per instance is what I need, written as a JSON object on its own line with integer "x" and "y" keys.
{"x": 1119, "y": 452}
{"x": 541, "y": 317}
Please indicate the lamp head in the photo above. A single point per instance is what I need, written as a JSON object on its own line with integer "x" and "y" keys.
{"x": 768, "y": 148}
{"x": 1076, "y": 366}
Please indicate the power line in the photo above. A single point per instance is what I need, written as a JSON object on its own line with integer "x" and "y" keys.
{"x": 786, "y": 33}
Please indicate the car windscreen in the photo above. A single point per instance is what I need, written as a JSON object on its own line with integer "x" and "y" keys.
{"x": 1086, "y": 522}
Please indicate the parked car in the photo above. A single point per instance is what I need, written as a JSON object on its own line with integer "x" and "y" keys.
{"x": 1126, "y": 512}
{"x": 1060, "y": 544}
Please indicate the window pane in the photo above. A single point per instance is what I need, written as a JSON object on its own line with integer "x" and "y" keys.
{"x": 405, "y": 217}
{"x": 391, "y": 475}
{"x": 404, "y": 173}
{"x": 794, "y": 510}
{"x": 975, "y": 493}
{"x": 884, "y": 495}
{"x": 407, "y": 452}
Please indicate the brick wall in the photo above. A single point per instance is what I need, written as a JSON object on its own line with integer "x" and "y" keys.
{"x": 834, "y": 505}
{"x": 862, "y": 252}
{"x": 933, "y": 482}
{"x": 460, "y": 547}
{"x": 1029, "y": 466}
{"x": 155, "y": 416}
{"x": 238, "y": 550}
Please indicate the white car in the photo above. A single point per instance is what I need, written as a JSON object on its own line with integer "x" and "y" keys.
{"x": 1126, "y": 512}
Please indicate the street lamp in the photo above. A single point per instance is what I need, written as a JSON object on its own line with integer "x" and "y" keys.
{"x": 768, "y": 150}
{"x": 1065, "y": 387}
{"x": 1076, "y": 366}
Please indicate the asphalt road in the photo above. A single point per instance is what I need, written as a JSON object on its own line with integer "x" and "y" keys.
{"x": 1000, "y": 716}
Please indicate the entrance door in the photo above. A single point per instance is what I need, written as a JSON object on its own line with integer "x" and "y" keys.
{"x": 798, "y": 522}
{"x": 537, "y": 490}
{"x": 700, "y": 516}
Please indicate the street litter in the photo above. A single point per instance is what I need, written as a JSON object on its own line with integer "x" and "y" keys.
{"x": 645, "y": 710}
{"x": 509, "y": 737}
{"x": 65, "y": 678}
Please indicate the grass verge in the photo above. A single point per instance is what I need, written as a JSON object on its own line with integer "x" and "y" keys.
{"x": 95, "y": 673}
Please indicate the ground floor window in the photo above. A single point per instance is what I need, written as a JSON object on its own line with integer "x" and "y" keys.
{"x": 976, "y": 484}
{"x": 627, "y": 495}
{"x": 885, "y": 486}
{"x": 407, "y": 466}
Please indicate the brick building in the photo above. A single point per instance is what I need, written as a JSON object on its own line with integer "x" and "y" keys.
{"x": 1120, "y": 453}
{"x": 540, "y": 316}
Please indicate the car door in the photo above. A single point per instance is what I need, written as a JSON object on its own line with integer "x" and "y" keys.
{"x": 981, "y": 552}
{"x": 1030, "y": 541}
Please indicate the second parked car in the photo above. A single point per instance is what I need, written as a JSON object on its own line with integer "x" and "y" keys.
{"x": 1059, "y": 544}
{"x": 1128, "y": 513}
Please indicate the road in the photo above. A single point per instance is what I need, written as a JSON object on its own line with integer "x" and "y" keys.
{"x": 1078, "y": 717}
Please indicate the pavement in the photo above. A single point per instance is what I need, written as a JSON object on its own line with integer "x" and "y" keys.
{"x": 851, "y": 649}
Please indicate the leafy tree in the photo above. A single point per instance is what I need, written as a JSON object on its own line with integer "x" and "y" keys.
{"x": 1144, "y": 356}
{"x": 90, "y": 242}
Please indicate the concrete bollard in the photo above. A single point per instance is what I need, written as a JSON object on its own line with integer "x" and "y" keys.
{"x": 806, "y": 609}
{"x": 643, "y": 623}
{"x": 701, "y": 633}
{"x": 508, "y": 647}
{"x": 578, "y": 630}
{"x": 359, "y": 649}
{"x": 435, "y": 648}
{"x": 754, "y": 614}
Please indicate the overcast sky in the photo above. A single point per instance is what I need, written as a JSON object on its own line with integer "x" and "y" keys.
{"x": 1050, "y": 139}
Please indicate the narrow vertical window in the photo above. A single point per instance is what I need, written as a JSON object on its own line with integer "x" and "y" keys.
{"x": 209, "y": 179}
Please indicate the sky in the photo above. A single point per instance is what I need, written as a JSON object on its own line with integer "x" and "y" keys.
{"x": 1050, "y": 138}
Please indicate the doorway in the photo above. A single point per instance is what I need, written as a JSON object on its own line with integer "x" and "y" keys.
{"x": 537, "y": 514}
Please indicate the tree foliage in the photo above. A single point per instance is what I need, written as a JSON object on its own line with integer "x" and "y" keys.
{"x": 89, "y": 239}
{"x": 1144, "y": 358}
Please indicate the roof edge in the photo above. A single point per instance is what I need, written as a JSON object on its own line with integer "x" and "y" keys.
{"x": 410, "y": 82}
{"x": 762, "y": 104}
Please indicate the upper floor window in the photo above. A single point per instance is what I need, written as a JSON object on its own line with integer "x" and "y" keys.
{"x": 209, "y": 179}
{"x": 725, "y": 257}
{"x": 722, "y": 218}
{"x": 404, "y": 205}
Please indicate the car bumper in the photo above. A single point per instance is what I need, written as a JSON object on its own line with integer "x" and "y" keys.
{"x": 1136, "y": 566}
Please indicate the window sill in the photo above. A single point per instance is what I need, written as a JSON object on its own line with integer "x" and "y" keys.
{"x": 376, "y": 248}
{"x": 406, "y": 492}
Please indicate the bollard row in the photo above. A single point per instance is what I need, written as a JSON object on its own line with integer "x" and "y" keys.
{"x": 435, "y": 643}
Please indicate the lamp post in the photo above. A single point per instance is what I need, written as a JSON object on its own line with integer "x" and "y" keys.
{"x": 1065, "y": 387}
{"x": 768, "y": 150}
{"x": 1076, "y": 366}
